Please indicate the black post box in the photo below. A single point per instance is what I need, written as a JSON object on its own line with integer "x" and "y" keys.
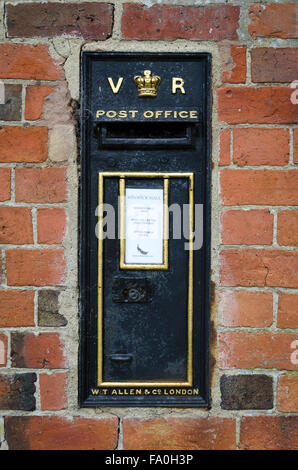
{"x": 145, "y": 229}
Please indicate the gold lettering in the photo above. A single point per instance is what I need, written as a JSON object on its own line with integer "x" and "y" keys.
{"x": 167, "y": 113}
{"x": 122, "y": 113}
{"x": 116, "y": 88}
{"x": 111, "y": 114}
{"x": 146, "y": 115}
{"x": 138, "y": 391}
{"x": 178, "y": 84}
{"x": 193, "y": 114}
{"x": 183, "y": 114}
{"x": 133, "y": 113}
{"x": 114, "y": 392}
{"x": 100, "y": 112}
{"x": 157, "y": 114}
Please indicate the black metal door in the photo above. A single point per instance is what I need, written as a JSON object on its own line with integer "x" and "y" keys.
{"x": 144, "y": 328}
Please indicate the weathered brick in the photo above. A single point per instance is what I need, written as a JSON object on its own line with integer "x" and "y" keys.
{"x": 274, "y": 65}
{"x": 23, "y": 144}
{"x": 246, "y": 392}
{"x": 51, "y": 225}
{"x": 28, "y": 62}
{"x": 11, "y": 109}
{"x": 253, "y": 146}
{"x": 273, "y": 20}
{"x": 35, "y": 267}
{"x": 44, "y": 351}
{"x": 41, "y": 185}
{"x": 84, "y": 20}
{"x": 224, "y": 153}
{"x": 48, "y": 309}
{"x": 169, "y": 22}
{"x": 287, "y": 316}
{"x": 295, "y": 144}
{"x": 53, "y": 391}
{"x": 17, "y": 392}
{"x": 260, "y": 187}
{"x": 234, "y": 64}
{"x": 287, "y": 393}
{"x": 5, "y": 184}
{"x": 15, "y": 225}
{"x": 245, "y": 308}
{"x": 62, "y": 142}
{"x": 16, "y": 308}
{"x": 252, "y": 105}
{"x": 252, "y": 227}
{"x": 178, "y": 433}
{"x": 35, "y": 96}
{"x": 252, "y": 267}
{"x": 269, "y": 433}
{"x": 60, "y": 433}
{"x": 3, "y": 349}
{"x": 287, "y": 228}
{"x": 251, "y": 350}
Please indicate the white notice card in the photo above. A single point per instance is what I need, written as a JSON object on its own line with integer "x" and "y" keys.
{"x": 143, "y": 226}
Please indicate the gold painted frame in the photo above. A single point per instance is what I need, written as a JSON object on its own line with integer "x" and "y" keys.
{"x": 166, "y": 177}
{"x": 165, "y": 263}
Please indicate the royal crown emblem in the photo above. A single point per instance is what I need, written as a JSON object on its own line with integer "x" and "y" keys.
{"x": 147, "y": 85}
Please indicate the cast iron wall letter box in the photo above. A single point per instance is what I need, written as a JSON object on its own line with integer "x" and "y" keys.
{"x": 145, "y": 229}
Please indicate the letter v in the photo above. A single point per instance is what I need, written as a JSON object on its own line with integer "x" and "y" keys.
{"x": 116, "y": 88}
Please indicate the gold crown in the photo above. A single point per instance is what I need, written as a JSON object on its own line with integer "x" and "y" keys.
{"x": 147, "y": 85}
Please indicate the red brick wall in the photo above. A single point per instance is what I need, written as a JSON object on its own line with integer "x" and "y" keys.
{"x": 255, "y": 223}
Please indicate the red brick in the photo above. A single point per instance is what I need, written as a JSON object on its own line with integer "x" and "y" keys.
{"x": 252, "y": 227}
{"x": 28, "y": 62}
{"x": 83, "y": 20}
{"x": 45, "y": 351}
{"x": 262, "y": 105}
{"x": 287, "y": 310}
{"x": 41, "y": 185}
{"x": 35, "y": 267}
{"x": 251, "y": 267}
{"x": 51, "y": 225}
{"x": 224, "y": 153}
{"x": 269, "y": 433}
{"x": 178, "y": 433}
{"x": 252, "y": 350}
{"x": 273, "y": 20}
{"x": 245, "y": 308}
{"x": 5, "y": 184}
{"x": 60, "y": 433}
{"x": 3, "y": 350}
{"x": 23, "y": 144}
{"x": 287, "y": 393}
{"x": 17, "y": 392}
{"x": 173, "y": 22}
{"x": 234, "y": 65}
{"x": 253, "y": 146}
{"x": 16, "y": 308}
{"x": 53, "y": 391}
{"x": 260, "y": 187}
{"x": 287, "y": 228}
{"x": 274, "y": 65}
{"x": 35, "y": 96}
{"x": 295, "y": 144}
{"x": 15, "y": 225}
